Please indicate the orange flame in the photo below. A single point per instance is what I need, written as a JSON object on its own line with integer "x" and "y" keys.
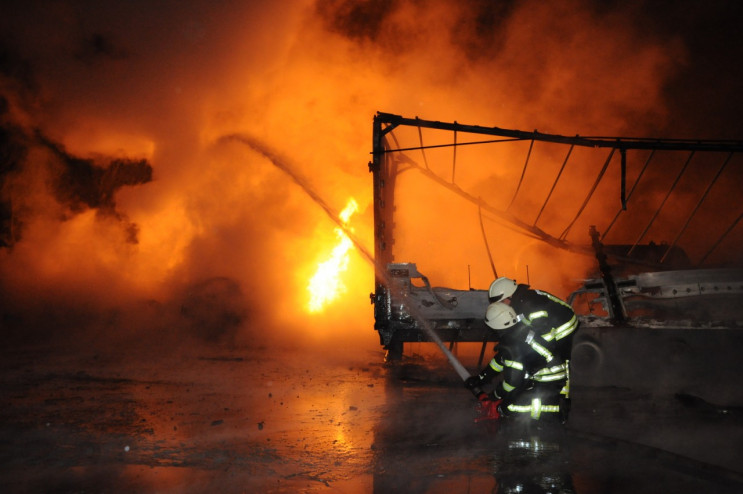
{"x": 326, "y": 284}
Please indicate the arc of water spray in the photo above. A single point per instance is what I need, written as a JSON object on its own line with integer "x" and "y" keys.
{"x": 281, "y": 163}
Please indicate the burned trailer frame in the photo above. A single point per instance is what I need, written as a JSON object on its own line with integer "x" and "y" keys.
{"x": 454, "y": 315}
{"x": 402, "y": 307}
{"x": 691, "y": 297}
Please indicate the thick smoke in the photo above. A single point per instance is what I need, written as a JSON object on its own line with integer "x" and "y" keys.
{"x": 218, "y": 243}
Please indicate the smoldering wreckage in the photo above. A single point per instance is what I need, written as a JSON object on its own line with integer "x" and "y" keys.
{"x": 653, "y": 371}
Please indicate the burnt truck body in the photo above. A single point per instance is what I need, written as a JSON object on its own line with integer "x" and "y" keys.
{"x": 690, "y": 297}
{"x": 407, "y": 301}
{"x": 648, "y": 282}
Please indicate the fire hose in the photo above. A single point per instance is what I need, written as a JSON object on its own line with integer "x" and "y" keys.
{"x": 487, "y": 409}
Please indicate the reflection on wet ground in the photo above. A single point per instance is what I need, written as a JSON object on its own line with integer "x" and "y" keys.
{"x": 240, "y": 420}
{"x": 443, "y": 451}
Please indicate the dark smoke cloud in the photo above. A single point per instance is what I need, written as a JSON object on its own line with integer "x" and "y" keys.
{"x": 81, "y": 184}
{"x": 97, "y": 48}
{"x": 77, "y": 184}
{"x": 225, "y": 241}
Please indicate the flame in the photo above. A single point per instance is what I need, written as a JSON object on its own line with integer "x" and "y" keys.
{"x": 304, "y": 78}
{"x": 326, "y": 284}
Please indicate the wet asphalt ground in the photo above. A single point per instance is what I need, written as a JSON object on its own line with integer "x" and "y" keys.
{"x": 210, "y": 418}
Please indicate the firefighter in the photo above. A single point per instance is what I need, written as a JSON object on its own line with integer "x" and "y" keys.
{"x": 548, "y": 316}
{"x": 535, "y": 339}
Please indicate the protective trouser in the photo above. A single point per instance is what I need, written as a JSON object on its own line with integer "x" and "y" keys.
{"x": 540, "y": 401}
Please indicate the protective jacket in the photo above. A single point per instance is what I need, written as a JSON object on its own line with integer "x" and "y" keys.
{"x": 534, "y": 356}
{"x": 548, "y": 316}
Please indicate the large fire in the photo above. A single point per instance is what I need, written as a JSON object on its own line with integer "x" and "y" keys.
{"x": 81, "y": 233}
{"x": 326, "y": 284}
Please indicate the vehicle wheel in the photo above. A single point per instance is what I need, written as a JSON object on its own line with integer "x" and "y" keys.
{"x": 394, "y": 349}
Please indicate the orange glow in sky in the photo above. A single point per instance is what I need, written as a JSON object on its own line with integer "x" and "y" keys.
{"x": 208, "y": 244}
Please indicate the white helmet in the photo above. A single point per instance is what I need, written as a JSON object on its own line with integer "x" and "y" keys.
{"x": 501, "y": 288}
{"x": 500, "y": 316}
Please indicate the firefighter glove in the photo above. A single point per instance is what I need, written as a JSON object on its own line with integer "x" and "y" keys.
{"x": 472, "y": 382}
